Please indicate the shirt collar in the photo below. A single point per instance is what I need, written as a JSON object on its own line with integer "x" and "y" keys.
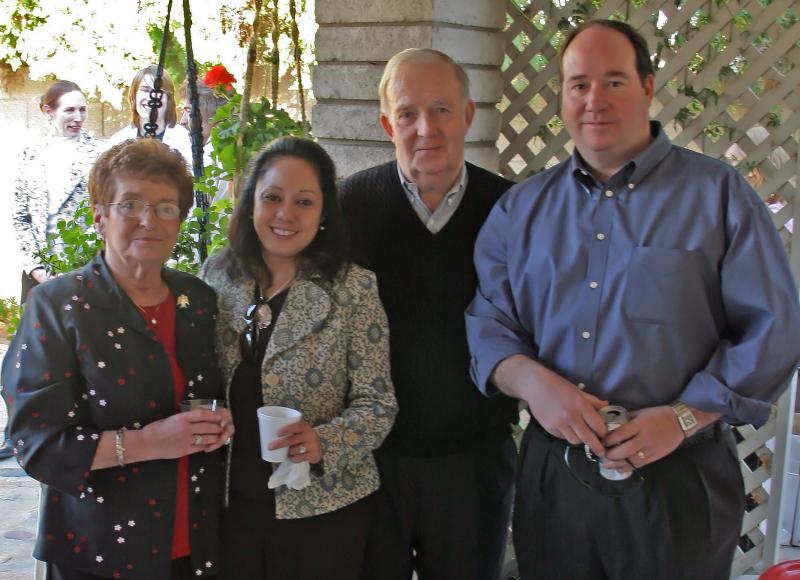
{"x": 635, "y": 170}
{"x": 411, "y": 188}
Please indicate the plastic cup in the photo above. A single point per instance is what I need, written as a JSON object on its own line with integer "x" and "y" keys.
{"x": 270, "y": 420}
{"x": 194, "y": 404}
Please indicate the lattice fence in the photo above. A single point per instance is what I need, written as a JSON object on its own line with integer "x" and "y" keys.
{"x": 728, "y": 74}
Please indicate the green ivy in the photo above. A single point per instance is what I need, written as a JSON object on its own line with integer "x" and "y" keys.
{"x": 742, "y": 19}
{"x": 10, "y": 313}
{"x": 719, "y": 42}
{"x": 788, "y": 19}
{"x": 175, "y": 58}
{"x": 186, "y": 256}
{"x": 264, "y": 124}
{"x": 21, "y": 19}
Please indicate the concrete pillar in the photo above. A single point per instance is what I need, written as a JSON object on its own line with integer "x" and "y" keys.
{"x": 353, "y": 43}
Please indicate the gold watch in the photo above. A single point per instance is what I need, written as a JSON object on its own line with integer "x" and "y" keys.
{"x": 686, "y": 418}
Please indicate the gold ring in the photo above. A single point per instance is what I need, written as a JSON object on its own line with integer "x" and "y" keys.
{"x": 641, "y": 454}
{"x": 198, "y": 439}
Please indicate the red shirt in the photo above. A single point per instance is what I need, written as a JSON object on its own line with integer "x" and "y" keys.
{"x": 164, "y": 329}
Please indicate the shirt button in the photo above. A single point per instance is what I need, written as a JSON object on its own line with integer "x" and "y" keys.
{"x": 581, "y": 386}
{"x": 601, "y": 237}
{"x": 609, "y": 193}
{"x": 271, "y": 379}
{"x": 593, "y": 285}
{"x": 630, "y": 186}
{"x": 586, "y": 334}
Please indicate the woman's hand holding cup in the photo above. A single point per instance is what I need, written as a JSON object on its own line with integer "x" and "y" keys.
{"x": 302, "y": 441}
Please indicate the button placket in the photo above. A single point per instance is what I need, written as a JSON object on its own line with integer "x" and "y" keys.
{"x": 596, "y": 264}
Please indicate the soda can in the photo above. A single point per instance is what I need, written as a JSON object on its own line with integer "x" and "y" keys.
{"x": 614, "y": 417}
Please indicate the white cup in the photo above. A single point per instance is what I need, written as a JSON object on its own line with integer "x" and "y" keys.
{"x": 270, "y": 421}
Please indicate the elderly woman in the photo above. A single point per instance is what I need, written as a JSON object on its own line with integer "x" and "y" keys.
{"x": 299, "y": 327}
{"x": 167, "y": 130}
{"x": 93, "y": 379}
{"x": 51, "y": 175}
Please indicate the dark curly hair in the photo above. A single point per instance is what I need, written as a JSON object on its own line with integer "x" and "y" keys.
{"x": 326, "y": 254}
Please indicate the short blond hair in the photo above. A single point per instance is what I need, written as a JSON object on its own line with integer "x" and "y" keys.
{"x": 418, "y": 55}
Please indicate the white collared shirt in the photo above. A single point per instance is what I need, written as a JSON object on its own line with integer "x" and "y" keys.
{"x": 437, "y": 219}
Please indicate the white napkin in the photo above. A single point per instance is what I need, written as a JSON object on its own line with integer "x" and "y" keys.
{"x": 292, "y": 475}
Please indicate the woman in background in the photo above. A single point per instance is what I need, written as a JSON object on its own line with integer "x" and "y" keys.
{"x": 168, "y": 130}
{"x": 51, "y": 176}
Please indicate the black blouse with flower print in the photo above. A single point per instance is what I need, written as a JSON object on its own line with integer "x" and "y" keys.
{"x": 84, "y": 362}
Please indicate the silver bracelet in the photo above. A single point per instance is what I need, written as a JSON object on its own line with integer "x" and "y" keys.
{"x": 118, "y": 448}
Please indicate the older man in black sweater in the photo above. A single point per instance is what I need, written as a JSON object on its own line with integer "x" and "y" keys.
{"x": 447, "y": 468}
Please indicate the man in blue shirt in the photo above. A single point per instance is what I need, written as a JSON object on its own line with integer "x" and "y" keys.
{"x": 640, "y": 274}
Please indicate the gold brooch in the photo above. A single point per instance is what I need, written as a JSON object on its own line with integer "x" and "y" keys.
{"x": 183, "y": 301}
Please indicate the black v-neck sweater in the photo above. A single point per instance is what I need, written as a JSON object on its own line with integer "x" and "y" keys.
{"x": 426, "y": 281}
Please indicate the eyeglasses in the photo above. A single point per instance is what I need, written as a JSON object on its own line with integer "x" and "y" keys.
{"x": 249, "y": 343}
{"x": 583, "y": 465}
{"x": 134, "y": 208}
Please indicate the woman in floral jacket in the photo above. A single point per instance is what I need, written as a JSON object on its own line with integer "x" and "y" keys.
{"x": 51, "y": 175}
{"x": 299, "y": 327}
{"x": 93, "y": 378}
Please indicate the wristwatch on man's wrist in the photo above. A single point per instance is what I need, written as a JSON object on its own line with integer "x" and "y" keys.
{"x": 686, "y": 418}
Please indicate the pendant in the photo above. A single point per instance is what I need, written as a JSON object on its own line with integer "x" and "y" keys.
{"x": 263, "y": 316}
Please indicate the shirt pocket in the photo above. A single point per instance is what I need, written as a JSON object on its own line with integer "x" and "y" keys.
{"x": 659, "y": 285}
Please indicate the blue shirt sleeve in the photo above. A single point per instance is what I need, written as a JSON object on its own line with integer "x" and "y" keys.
{"x": 761, "y": 345}
{"x": 494, "y": 331}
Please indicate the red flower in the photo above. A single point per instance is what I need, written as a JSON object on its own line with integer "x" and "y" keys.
{"x": 219, "y": 75}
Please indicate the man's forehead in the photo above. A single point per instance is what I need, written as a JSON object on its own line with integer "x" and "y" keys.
{"x": 598, "y": 49}
{"x": 423, "y": 82}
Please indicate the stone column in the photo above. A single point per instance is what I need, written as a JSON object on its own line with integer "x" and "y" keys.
{"x": 353, "y": 43}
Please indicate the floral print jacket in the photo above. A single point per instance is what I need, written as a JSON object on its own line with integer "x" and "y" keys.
{"x": 328, "y": 357}
{"x": 31, "y": 210}
{"x": 84, "y": 362}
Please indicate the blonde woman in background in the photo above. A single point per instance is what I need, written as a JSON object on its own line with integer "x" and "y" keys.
{"x": 168, "y": 131}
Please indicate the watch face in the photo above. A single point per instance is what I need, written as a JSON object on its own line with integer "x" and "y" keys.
{"x": 686, "y": 418}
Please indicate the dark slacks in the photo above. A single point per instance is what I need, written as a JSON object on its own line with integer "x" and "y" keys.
{"x": 444, "y": 517}
{"x": 681, "y": 523}
{"x": 257, "y": 546}
{"x": 181, "y": 570}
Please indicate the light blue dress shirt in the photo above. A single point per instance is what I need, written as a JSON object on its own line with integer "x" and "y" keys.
{"x": 668, "y": 282}
{"x": 435, "y": 220}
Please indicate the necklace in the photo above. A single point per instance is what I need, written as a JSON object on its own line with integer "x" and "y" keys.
{"x": 264, "y": 311}
{"x": 153, "y": 317}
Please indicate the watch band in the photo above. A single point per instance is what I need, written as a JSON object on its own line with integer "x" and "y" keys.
{"x": 118, "y": 447}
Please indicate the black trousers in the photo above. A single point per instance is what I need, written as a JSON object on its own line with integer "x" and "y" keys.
{"x": 681, "y": 522}
{"x": 257, "y": 546}
{"x": 444, "y": 517}
{"x": 181, "y": 570}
